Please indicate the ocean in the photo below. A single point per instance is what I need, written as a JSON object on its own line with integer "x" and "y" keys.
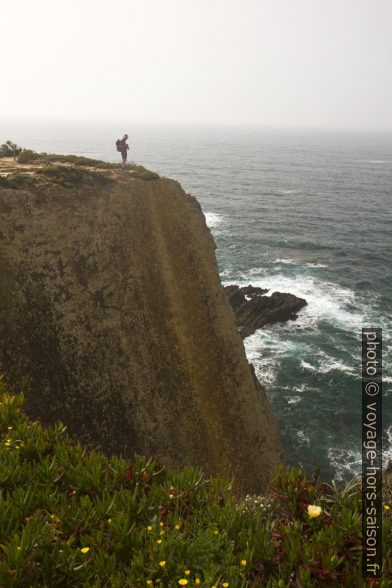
{"x": 300, "y": 211}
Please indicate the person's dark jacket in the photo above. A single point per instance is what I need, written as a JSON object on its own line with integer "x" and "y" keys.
{"x": 123, "y": 145}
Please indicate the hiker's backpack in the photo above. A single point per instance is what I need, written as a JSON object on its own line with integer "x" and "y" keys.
{"x": 118, "y": 144}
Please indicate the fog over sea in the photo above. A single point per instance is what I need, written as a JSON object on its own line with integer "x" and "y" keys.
{"x": 295, "y": 211}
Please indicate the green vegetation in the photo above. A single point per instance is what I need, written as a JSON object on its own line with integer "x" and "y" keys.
{"x": 138, "y": 171}
{"x": 55, "y": 163}
{"x": 18, "y": 181}
{"x": 27, "y": 155}
{"x": 66, "y": 176}
{"x": 77, "y": 160}
{"x": 72, "y": 517}
{"x": 70, "y": 176}
{"x": 57, "y": 167}
{"x": 9, "y": 149}
{"x": 141, "y": 173}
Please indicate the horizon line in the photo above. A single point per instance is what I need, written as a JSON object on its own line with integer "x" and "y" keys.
{"x": 88, "y": 121}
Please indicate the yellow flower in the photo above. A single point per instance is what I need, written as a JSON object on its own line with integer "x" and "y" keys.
{"x": 85, "y": 549}
{"x": 187, "y": 572}
{"x": 161, "y": 524}
{"x": 149, "y": 582}
{"x": 159, "y": 541}
{"x": 162, "y": 564}
{"x": 387, "y": 507}
{"x": 197, "y": 581}
{"x": 243, "y": 562}
{"x": 10, "y": 428}
{"x": 149, "y": 528}
{"x": 109, "y": 521}
{"x": 225, "y": 584}
{"x": 183, "y": 582}
{"x": 314, "y": 511}
{"x": 162, "y": 532}
{"x": 216, "y": 532}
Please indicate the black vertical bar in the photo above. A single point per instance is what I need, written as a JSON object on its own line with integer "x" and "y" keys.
{"x": 372, "y": 453}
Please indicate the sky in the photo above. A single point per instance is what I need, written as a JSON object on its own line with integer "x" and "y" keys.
{"x": 301, "y": 63}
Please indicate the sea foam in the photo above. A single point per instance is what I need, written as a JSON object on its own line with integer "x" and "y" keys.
{"x": 213, "y": 219}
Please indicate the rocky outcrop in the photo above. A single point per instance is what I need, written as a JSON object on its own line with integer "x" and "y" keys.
{"x": 113, "y": 320}
{"x": 253, "y": 310}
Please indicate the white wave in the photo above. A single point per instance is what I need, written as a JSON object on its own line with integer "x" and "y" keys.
{"x": 302, "y": 438}
{"x": 294, "y": 400}
{"x": 303, "y": 387}
{"x": 213, "y": 220}
{"x": 264, "y": 349}
{"x": 255, "y": 271}
{"x": 308, "y": 366}
{"x": 328, "y": 364}
{"x": 345, "y": 461}
{"x": 225, "y": 274}
{"x": 349, "y": 461}
{"x": 285, "y": 260}
{"x": 328, "y": 303}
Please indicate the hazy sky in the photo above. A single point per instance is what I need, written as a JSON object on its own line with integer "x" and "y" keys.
{"x": 317, "y": 63}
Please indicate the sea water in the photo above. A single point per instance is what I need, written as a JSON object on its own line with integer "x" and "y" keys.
{"x": 300, "y": 211}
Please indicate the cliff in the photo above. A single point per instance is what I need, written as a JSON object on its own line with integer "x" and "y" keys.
{"x": 113, "y": 320}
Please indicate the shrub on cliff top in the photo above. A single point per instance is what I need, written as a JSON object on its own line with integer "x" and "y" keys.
{"x": 27, "y": 155}
{"x": 9, "y": 149}
{"x": 72, "y": 517}
{"x": 138, "y": 171}
{"x": 70, "y": 176}
{"x": 78, "y": 160}
{"x": 18, "y": 181}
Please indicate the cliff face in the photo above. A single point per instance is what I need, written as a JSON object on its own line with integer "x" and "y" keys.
{"x": 113, "y": 320}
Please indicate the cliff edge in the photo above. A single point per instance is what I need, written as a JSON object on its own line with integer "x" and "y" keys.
{"x": 113, "y": 320}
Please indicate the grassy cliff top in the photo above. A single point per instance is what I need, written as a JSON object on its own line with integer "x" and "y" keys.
{"x": 32, "y": 170}
{"x": 72, "y": 517}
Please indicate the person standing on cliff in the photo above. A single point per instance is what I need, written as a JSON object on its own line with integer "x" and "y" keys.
{"x": 123, "y": 147}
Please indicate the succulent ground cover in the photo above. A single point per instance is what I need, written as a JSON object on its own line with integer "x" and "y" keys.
{"x": 74, "y": 517}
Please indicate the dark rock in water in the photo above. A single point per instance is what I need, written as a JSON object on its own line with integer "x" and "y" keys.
{"x": 237, "y": 296}
{"x": 253, "y": 310}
